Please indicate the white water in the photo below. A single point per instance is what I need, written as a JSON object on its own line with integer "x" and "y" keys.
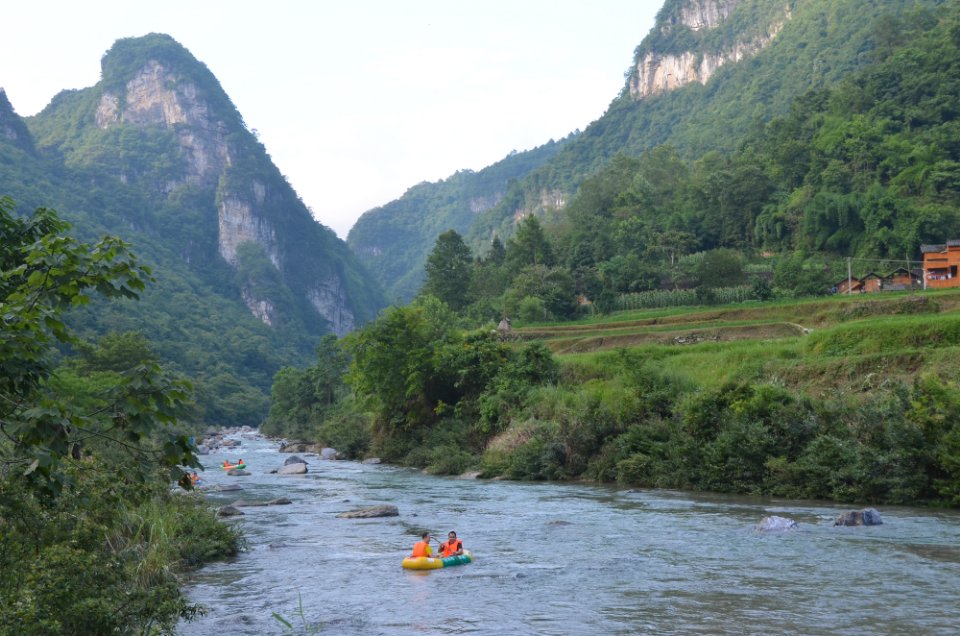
{"x": 565, "y": 559}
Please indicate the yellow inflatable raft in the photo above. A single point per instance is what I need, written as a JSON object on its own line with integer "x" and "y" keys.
{"x": 435, "y": 563}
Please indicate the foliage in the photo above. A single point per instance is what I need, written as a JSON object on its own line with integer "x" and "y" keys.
{"x": 105, "y": 557}
{"x": 44, "y": 272}
{"x": 91, "y": 539}
{"x": 449, "y": 270}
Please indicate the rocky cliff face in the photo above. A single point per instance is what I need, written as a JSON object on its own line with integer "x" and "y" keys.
{"x": 657, "y": 72}
{"x": 153, "y": 85}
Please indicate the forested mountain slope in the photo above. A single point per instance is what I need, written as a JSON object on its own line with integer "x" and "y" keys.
{"x": 156, "y": 153}
{"x": 709, "y": 74}
{"x": 393, "y": 240}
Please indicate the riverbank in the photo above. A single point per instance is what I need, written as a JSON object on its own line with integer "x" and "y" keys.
{"x": 853, "y": 399}
{"x": 564, "y": 559}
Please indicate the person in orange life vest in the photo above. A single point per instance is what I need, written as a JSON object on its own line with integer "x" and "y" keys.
{"x": 452, "y": 546}
{"x": 422, "y": 548}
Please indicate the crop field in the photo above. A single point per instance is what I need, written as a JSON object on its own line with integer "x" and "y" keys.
{"x": 823, "y": 346}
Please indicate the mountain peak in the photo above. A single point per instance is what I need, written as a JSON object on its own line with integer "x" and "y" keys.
{"x": 154, "y": 80}
{"x": 12, "y": 128}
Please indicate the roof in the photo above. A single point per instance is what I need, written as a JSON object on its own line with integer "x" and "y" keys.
{"x": 926, "y": 249}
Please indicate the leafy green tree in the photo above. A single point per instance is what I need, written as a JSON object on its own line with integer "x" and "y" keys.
{"x": 529, "y": 246}
{"x": 449, "y": 270}
{"x": 43, "y": 273}
{"x": 720, "y": 268}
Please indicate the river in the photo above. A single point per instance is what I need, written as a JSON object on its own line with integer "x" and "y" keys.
{"x": 564, "y": 559}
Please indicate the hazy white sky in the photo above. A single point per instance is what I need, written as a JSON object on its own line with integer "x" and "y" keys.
{"x": 358, "y": 100}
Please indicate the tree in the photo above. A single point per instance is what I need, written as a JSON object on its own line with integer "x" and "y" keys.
{"x": 43, "y": 273}
{"x": 529, "y": 247}
{"x": 449, "y": 268}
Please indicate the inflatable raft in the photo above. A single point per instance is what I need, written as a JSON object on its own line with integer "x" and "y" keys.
{"x": 435, "y": 563}
{"x": 239, "y": 466}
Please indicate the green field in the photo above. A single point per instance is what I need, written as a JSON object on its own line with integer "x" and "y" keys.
{"x": 841, "y": 343}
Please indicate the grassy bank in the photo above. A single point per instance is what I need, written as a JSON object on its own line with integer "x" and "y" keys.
{"x": 847, "y": 398}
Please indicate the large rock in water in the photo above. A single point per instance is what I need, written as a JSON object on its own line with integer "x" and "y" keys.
{"x": 328, "y": 453}
{"x": 369, "y": 512}
{"x": 299, "y": 447}
{"x": 865, "y": 517}
{"x": 244, "y": 503}
{"x": 773, "y": 523}
{"x": 293, "y": 469}
{"x": 294, "y": 460}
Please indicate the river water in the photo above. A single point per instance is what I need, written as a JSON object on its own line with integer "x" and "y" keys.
{"x": 564, "y": 559}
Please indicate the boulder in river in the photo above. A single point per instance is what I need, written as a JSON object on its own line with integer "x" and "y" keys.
{"x": 298, "y": 447}
{"x": 238, "y": 472}
{"x": 244, "y": 503}
{"x": 773, "y": 523}
{"x": 371, "y": 460}
{"x": 225, "y": 488}
{"x": 229, "y": 511}
{"x": 865, "y": 517}
{"x": 295, "y": 459}
{"x": 370, "y": 512}
{"x": 293, "y": 469}
{"x": 328, "y": 453}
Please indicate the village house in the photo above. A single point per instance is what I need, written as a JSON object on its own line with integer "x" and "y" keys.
{"x": 901, "y": 279}
{"x": 872, "y": 283}
{"x": 940, "y": 263}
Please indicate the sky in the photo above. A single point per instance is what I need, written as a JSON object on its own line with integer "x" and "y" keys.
{"x": 358, "y": 100}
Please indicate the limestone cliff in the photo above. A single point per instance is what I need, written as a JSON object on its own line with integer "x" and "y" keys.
{"x": 657, "y": 70}
{"x": 167, "y": 127}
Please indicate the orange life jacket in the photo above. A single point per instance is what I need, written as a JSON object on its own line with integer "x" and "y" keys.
{"x": 449, "y": 547}
{"x": 421, "y": 549}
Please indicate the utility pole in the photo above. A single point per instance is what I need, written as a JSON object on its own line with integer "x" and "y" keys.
{"x": 849, "y": 276}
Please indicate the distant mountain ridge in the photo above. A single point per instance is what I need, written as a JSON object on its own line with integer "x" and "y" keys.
{"x": 709, "y": 72}
{"x": 393, "y": 240}
{"x": 157, "y": 154}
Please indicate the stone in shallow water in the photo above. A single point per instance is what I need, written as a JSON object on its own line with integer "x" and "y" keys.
{"x": 865, "y": 517}
{"x": 293, "y": 469}
{"x": 369, "y": 512}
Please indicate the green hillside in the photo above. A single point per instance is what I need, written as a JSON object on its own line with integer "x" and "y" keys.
{"x": 174, "y": 176}
{"x": 816, "y": 44}
{"x": 393, "y": 240}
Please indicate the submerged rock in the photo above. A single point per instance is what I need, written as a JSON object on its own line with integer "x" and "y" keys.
{"x": 371, "y": 460}
{"x": 865, "y": 517}
{"x": 237, "y": 472}
{"x": 229, "y": 511}
{"x": 773, "y": 523}
{"x": 226, "y": 488}
{"x": 244, "y": 503}
{"x": 369, "y": 512}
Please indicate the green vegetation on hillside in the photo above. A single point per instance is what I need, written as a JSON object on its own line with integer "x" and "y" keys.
{"x": 851, "y": 398}
{"x": 393, "y": 240}
{"x": 136, "y": 181}
{"x": 92, "y": 541}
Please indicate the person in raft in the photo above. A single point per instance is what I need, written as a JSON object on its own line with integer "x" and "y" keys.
{"x": 452, "y": 546}
{"x": 422, "y": 548}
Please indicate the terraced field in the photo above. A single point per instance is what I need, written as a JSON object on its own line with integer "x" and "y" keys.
{"x": 841, "y": 343}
